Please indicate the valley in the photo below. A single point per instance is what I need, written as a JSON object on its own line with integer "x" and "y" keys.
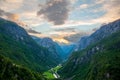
{"x": 59, "y": 39}
{"x": 28, "y": 57}
{"x": 39, "y": 56}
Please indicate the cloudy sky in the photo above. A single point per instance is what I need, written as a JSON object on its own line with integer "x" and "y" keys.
{"x": 63, "y": 20}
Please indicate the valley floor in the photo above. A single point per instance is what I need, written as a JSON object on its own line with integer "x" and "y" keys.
{"x": 52, "y": 73}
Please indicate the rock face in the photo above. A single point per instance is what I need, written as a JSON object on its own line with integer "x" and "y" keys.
{"x": 17, "y": 45}
{"x": 103, "y": 32}
{"x": 52, "y": 46}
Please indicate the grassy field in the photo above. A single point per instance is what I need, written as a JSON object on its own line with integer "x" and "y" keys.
{"x": 49, "y": 74}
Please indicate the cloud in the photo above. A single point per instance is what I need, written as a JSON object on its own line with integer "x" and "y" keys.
{"x": 31, "y": 19}
{"x": 29, "y": 6}
{"x": 8, "y": 15}
{"x": 38, "y": 35}
{"x": 75, "y": 37}
{"x": 33, "y": 31}
{"x": 99, "y": 1}
{"x": 61, "y": 33}
{"x": 72, "y": 23}
{"x": 83, "y": 6}
{"x": 66, "y": 29}
{"x": 67, "y": 37}
{"x": 6, "y": 6}
{"x": 61, "y": 40}
{"x": 59, "y": 36}
{"x": 112, "y": 9}
{"x": 73, "y": 1}
{"x": 100, "y": 11}
{"x": 55, "y": 11}
{"x": 10, "y": 5}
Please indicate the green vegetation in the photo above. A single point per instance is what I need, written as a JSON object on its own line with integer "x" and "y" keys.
{"x": 19, "y": 53}
{"x": 19, "y": 47}
{"x": 21, "y": 57}
{"x": 49, "y": 74}
{"x": 57, "y": 68}
{"x": 11, "y": 71}
{"x": 95, "y": 64}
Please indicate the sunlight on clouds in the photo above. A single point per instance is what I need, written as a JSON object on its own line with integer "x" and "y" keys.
{"x": 59, "y": 36}
{"x": 10, "y": 5}
{"x": 61, "y": 40}
{"x": 31, "y": 19}
{"x": 14, "y": 17}
{"x": 61, "y": 33}
{"x": 112, "y": 9}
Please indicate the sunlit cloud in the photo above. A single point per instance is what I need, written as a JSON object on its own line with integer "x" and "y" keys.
{"x": 9, "y": 16}
{"x": 31, "y": 19}
{"x": 60, "y": 33}
{"x": 61, "y": 40}
{"x": 9, "y": 5}
{"x": 112, "y": 9}
{"x": 59, "y": 36}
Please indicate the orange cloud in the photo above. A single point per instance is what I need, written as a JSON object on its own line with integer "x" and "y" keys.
{"x": 14, "y": 17}
{"x": 61, "y": 40}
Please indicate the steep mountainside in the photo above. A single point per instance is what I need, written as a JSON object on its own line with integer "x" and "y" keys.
{"x": 68, "y": 49}
{"x": 18, "y": 46}
{"x": 52, "y": 46}
{"x": 11, "y": 71}
{"x": 99, "y": 61}
{"x": 103, "y": 32}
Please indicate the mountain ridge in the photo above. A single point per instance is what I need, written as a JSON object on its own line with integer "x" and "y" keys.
{"x": 104, "y": 31}
{"x": 22, "y": 49}
{"x": 52, "y": 46}
{"x": 98, "y": 61}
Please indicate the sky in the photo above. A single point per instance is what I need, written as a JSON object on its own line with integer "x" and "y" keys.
{"x": 64, "y": 21}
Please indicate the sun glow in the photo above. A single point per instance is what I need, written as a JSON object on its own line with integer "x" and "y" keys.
{"x": 61, "y": 40}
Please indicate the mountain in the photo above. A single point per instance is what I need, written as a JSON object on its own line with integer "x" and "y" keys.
{"x": 19, "y": 47}
{"x": 68, "y": 49}
{"x": 99, "y": 60}
{"x": 59, "y": 51}
{"x": 52, "y": 46}
{"x": 103, "y": 32}
{"x": 11, "y": 71}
